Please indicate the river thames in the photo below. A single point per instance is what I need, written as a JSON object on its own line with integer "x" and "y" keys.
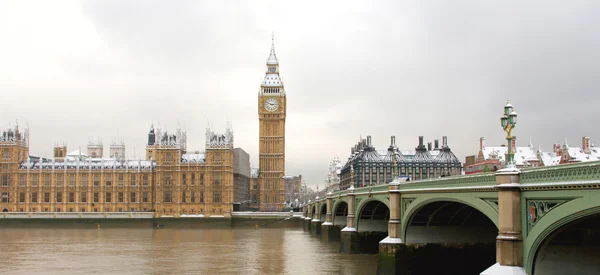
{"x": 174, "y": 251}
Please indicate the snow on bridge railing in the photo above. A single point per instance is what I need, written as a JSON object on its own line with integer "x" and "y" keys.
{"x": 583, "y": 171}
{"x": 487, "y": 180}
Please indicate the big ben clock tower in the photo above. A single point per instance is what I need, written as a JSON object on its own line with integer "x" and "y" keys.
{"x": 271, "y": 117}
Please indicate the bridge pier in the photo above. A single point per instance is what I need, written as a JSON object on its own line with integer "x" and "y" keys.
{"x": 392, "y": 247}
{"x": 349, "y": 238}
{"x": 306, "y": 222}
{"x": 315, "y": 223}
{"x": 327, "y": 229}
{"x": 509, "y": 243}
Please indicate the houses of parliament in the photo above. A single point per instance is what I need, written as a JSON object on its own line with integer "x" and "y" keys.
{"x": 169, "y": 181}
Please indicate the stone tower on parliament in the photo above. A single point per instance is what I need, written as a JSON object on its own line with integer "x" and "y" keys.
{"x": 271, "y": 116}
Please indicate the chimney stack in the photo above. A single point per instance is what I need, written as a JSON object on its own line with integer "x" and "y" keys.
{"x": 585, "y": 144}
{"x": 393, "y": 141}
{"x": 437, "y": 144}
{"x": 514, "y": 144}
{"x": 420, "y": 141}
{"x": 428, "y": 146}
{"x": 481, "y": 143}
{"x": 444, "y": 141}
{"x": 368, "y": 141}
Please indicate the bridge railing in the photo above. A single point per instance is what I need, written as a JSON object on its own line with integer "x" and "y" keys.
{"x": 487, "y": 180}
{"x": 583, "y": 171}
{"x": 483, "y": 181}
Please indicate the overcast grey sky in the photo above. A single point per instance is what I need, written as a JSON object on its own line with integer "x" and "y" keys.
{"x": 76, "y": 70}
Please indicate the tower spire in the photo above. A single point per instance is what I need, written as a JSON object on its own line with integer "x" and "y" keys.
{"x": 272, "y": 57}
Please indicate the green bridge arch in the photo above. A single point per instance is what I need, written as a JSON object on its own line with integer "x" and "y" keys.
{"x": 575, "y": 209}
{"x": 473, "y": 200}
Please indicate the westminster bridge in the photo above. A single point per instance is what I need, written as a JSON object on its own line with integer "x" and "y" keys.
{"x": 542, "y": 220}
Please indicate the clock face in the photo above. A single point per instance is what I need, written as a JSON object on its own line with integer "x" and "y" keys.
{"x": 271, "y": 104}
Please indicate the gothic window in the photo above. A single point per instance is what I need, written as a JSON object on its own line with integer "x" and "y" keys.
{"x": 59, "y": 197}
{"x": 34, "y": 197}
{"x": 167, "y": 179}
{"x": 217, "y": 196}
{"x": 84, "y": 180}
{"x": 22, "y": 180}
{"x": 145, "y": 179}
{"x": 83, "y": 197}
{"x": 71, "y": 196}
{"x": 167, "y": 196}
{"x": 22, "y": 197}
{"x": 6, "y": 155}
{"x": 121, "y": 177}
{"x": 120, "y": 197}
{"x": 271, "y": 70}
{"x": 5, "y": 180}
{"x": 96, "y": 197}
{"x": 192, "y": 197}
{"x": 132, "y": 180}
{"x": 201, "y": 196}
{"x": 108, "y": 180}
{"x": 46, "y": 197}
{"x": 71, "y": 180}
{"x": 59, "y": 180}
{"x": 183, "y": 179}
{"x": 5, "y": 197}
{"x": 183, "y": 197}
{"x": 132, "y": 197}
{"x": 169, "y": 157}
{"x": 96, "y": 180}
{"x": 217, "y": 179}
{"x": 108, "y": 197}
{"x": 145, "y": 197}
{"x": 192, "y": 181}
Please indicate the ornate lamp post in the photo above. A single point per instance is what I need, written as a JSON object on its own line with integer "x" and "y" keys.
{"x": 508, "y": 122}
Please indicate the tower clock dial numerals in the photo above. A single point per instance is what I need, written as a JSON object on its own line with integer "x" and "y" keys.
{"x": 271, "y": 104}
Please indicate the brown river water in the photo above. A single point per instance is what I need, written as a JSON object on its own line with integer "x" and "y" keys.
{"x": 173, "y": 250}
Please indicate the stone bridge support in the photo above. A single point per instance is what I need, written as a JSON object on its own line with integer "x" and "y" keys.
{"x": 306, "y": 225}
{"x": 315, "y": 223}
{"x": 327, "y": 227}
{"x": 349, "y": 239}
{"x": 390, "y": 248}
{"x": 509, "y": 243}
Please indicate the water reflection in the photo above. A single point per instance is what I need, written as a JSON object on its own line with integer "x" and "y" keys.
{"x": 174, "y": 251}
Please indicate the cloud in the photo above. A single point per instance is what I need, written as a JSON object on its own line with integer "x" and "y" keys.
{"x": 81, "y": 70}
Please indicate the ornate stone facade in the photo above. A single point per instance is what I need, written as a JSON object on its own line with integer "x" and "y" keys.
{"x": 271, "y": 114}
{"x": 169, "y": 181}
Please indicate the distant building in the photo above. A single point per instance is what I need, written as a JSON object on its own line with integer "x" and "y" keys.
{"x": 570, "y": 154}
{"x": 254, "y": 190}
{"x": 292, "y": 189}
{"x": 367, "y": 166}
{"x": 490, "y": 159}
{"x": 241, "y": 180}
{"x": 332, "y": 181}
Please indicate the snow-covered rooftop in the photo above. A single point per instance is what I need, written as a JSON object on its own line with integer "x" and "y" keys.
{"x": 193, "y": 158}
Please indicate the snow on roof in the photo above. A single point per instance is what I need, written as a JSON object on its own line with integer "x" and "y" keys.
{"x": 577, "y": 154}
{"x": 92, "y": 164}
{"x": 77, "y": 153}
{"x": 254, "y": 173}
{"x": 194, "y": 158}
{"x": 549, "y": 158}
{"x": 272, "y": 80}
{"x": 522, "y": 154}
